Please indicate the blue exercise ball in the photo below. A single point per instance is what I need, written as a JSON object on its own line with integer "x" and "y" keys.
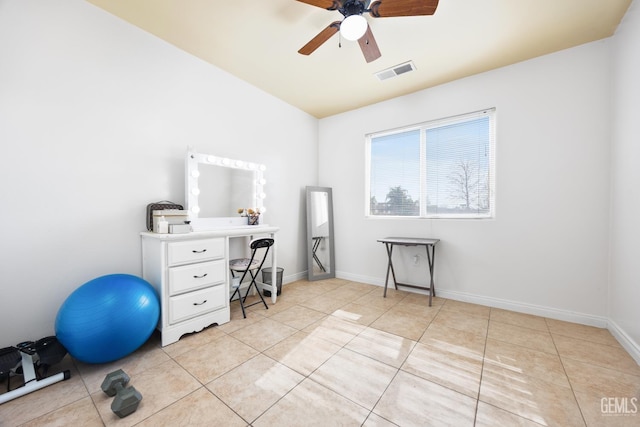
{"x": 107, "y": 318}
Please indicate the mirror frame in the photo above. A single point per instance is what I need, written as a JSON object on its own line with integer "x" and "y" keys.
{"x": 310, "y": 241}
{"x": 195, "y": 160}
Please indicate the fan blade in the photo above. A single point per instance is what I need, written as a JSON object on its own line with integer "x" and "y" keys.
{"x": 322, "y": 37}
{"x": 387, "y": 8}
{"x": 369, "y": 46}
{"x": 325, "y": 4}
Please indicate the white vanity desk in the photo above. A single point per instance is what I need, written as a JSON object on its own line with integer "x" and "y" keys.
{"x": 190, "y": 273}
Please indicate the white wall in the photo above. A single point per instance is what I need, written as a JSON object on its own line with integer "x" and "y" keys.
{"x": 624, "y": 292}
{"x": 95, "y": 119}
{"x": 546, "y": 250}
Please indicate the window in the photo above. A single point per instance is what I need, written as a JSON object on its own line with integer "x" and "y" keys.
{"x": 438, "y": 169}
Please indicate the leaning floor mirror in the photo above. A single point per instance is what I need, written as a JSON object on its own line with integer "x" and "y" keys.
{"x": 321, "y": 256}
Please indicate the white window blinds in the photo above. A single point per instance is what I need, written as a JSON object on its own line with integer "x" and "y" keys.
{"x": 444, "y": 168}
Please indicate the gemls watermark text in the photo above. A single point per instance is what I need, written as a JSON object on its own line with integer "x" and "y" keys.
{"x": 624, "y": 406}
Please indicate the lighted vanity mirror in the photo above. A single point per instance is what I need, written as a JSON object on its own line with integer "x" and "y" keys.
{"x": 216, "y": 187}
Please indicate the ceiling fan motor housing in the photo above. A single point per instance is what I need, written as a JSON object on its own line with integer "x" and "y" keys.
{"x": 352, "y": 7}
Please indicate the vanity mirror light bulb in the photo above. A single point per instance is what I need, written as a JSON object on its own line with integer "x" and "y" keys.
{"x": 195, "y": 191}
{"x": 262, "y": 195}
{"x": 263, "y": 168}
{"x": 195, "y": 174}
{"x": 239, "y": 163}
{"x": 262, "y": 181}
{"x": 195, "y": 209}
{"x": 252, "y": 166}
{"x": 263, "y": 209}
{"x": 226, "y": 161}
{"x": 211, "y": 159}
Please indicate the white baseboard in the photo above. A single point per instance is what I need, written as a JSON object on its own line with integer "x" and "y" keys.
{"x": 552, "y": 313}
{"x": 625, "y": 340}
{"x": 632, "y": 347}
{"x": 294, "y": 277}
{"x": 536, "y": 310}
{"x": 358, "y": 278}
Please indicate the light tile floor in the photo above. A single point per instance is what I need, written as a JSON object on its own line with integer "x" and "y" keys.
{"x": 336, "y": 353}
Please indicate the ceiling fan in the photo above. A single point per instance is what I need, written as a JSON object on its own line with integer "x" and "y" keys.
{"x": 354, "y": 26}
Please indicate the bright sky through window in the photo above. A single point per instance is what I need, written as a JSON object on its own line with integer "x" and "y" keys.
{"x": 436, "y": 169}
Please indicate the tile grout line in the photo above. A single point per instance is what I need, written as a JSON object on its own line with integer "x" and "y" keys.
{"x": 308, "y": 376}
{"x": 484, "y": 354}
{"x": 573, "y": 392}
{"x": 344, "y": 347}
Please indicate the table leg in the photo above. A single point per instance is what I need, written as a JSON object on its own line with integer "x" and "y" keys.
{"x": 389, "y": 268}
{"x": 274, "y": 270}
{"x": 393, "y": 271}
{"x": 431, "y": 256}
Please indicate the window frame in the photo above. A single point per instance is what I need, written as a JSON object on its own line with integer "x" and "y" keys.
{"x": 423, "y": 127}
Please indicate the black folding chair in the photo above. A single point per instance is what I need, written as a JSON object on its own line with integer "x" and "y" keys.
{"x": 259, "y": 249}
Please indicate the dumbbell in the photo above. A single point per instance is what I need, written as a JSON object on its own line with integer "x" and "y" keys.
{"x": 126, "y": 399}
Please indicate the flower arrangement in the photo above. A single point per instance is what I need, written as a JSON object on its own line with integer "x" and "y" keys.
{"x": 248, "y": 212}
{"x": 253, "y": 215}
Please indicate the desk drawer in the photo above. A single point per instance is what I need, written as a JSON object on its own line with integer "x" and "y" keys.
{"x": 195, "y": 250}
{"x": 195, "y": 276}
{"x": 195, "y": 303}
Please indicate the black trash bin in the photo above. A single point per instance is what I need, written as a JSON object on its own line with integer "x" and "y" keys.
{"x": 266, "y": 279}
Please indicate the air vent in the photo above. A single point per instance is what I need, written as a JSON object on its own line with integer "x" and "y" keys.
{"x": 396, "y": 70}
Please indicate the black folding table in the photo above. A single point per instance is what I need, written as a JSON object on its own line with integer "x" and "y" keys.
{"x": 429, "y": 244}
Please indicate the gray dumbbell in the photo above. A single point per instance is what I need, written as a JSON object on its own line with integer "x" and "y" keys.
{"x": 126, "y": 399}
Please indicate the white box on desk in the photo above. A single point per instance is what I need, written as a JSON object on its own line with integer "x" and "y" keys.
{"x": 172, "y": 216}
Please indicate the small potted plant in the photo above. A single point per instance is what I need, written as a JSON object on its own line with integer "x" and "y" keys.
{"x": 253, "y": 215}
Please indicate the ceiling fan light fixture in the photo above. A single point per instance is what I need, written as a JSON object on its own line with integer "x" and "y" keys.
{"x": 353, "y": 27}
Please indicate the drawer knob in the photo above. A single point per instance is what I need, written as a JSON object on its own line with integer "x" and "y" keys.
{"x": 199, "y": 303}
{"x": 199, "y": 252}
{"x": 200, "y": 277}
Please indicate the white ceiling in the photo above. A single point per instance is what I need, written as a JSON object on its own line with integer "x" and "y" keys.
{"x": 258, "y": 40}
